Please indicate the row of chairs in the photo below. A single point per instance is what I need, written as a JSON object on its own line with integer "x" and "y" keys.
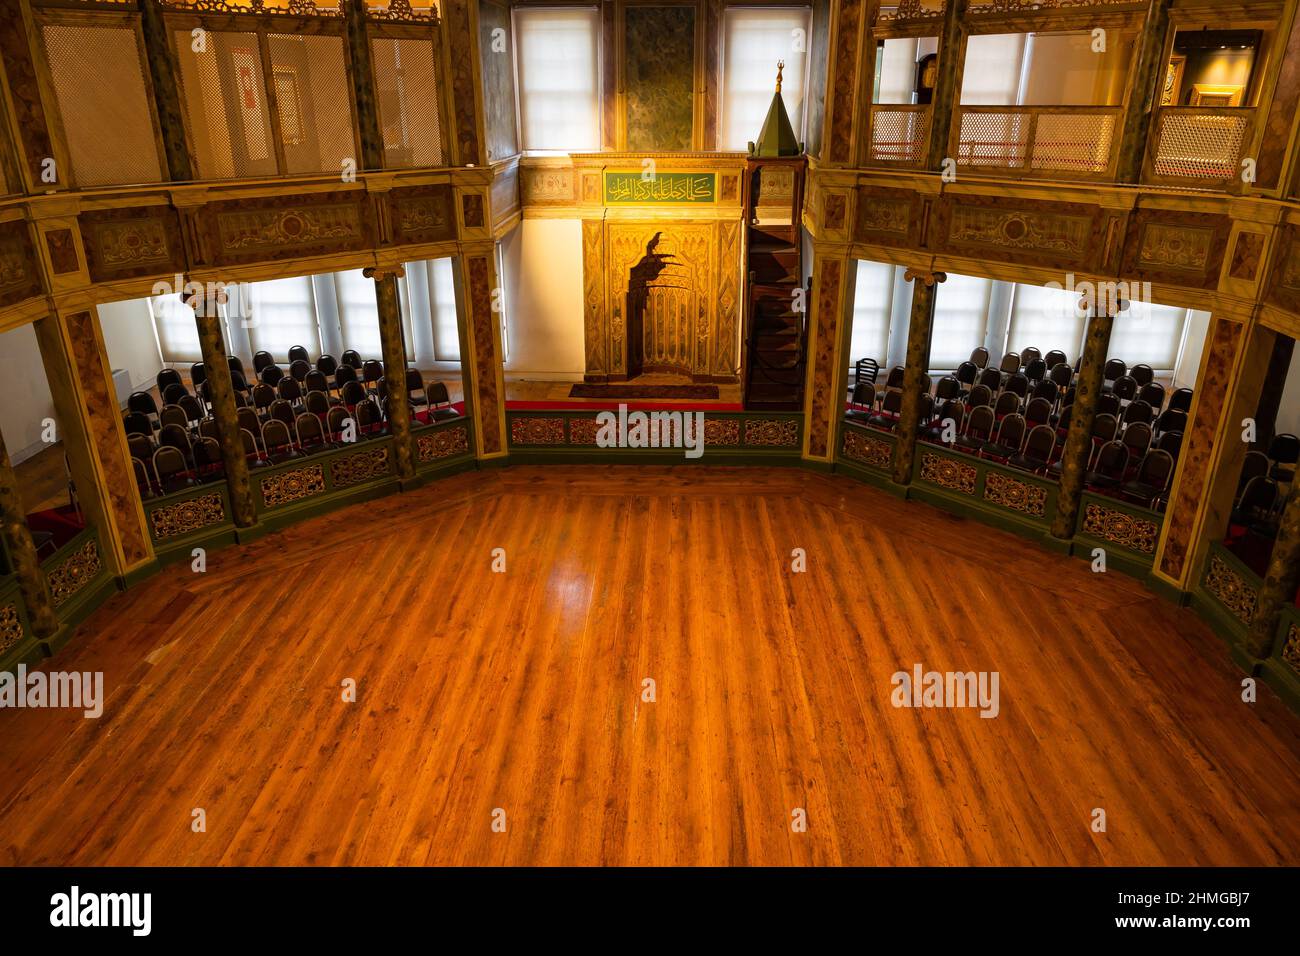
{"x": 178, "y": 460}
{"x": 1029, "y": 375}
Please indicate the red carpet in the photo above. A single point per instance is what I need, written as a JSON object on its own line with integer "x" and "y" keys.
{"x": 61, "y": 522}
{"x": 578, "y": 405}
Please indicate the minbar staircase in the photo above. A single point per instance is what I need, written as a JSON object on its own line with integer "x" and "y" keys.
{"x": 777, "y": 337}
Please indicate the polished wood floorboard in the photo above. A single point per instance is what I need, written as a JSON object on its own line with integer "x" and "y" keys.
{"x": 522, "y": 691}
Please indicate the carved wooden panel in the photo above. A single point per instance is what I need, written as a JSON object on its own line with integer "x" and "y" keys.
{"x": 286, "y": 487}
{"x": 862, "y": 447}
{"x": 444, "y": 443}
{"x": 126, "y": 243}
{"x": 1060, "y": 235}
{"x": 11, "y": 627}
{"x": 422, "y": 214}
{"x": 546, "y": 184}
{"x": 1230, "y": 589}
{"x": 948, "y": 473}
{"x": 186, "y": 517}
{"x": 1016, "y": 495}
{"x": 1128, "y": 531}
{"x": 266, "y": 229}
{"x": 661, "y": 280}
{"x": 889, "y": 217}
{"x": 1180, "y": 248}
{"x": 74, "y": 572}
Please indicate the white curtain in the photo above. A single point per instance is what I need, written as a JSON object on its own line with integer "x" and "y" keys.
{"x": 994, "y": 64}
{"x": 178, "y": 336}
{"x": 280, "y": 313}
{"x": 1046, "y": 319}
{"x": 753, "y": 41}
{"x": 873, "y": 301}
{"x": 558, "y": 64}
{"x": 961, "y": 317}
{"x": 1147, "y": 334}
{"x": 358, "y": 313}
{"x": 429, "y": 289}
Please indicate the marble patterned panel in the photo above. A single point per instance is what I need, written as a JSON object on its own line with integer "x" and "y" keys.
{"x": 105, "y": 427}
{"x": 1199, "y": 445}
{"x": 659, "y": 76}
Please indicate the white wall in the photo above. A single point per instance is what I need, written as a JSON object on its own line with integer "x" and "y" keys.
{"x": 542, "y": 262}
{"x": 130, "y": 341}
{"x": 24, "y": 394}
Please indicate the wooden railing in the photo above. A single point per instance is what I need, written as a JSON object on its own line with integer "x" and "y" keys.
{"x": 899, "y": 134}
{"x": 1199, "y": 145}
{"x": 1076, "y": 142}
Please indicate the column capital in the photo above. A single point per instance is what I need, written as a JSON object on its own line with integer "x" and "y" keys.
{"x": 380, "y": 273}
{"x": 1105, "y": 299}
{"x": 926, "y": 278}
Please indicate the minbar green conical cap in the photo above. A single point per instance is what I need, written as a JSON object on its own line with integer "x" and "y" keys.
{"x": 777, "y": 136}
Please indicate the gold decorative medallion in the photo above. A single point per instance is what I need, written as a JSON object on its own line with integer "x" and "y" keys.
{"x": 442, "y": 444}
{"x": 1230, "y": 589}
{"x": 948, "y": 473}
{"x": 771, "y": 433}
{"x": 74, "y": 573}
{"x": 1015, "y": 494}
{"x": 1126, "y": 530}
{"x": 185, "y": 517}
{"x": 861, "y": 447}
{"x": 1291, "y": 648}
{"x": 11, "y": 628}
{"x": 537, "y": 431}
{"x": 290, "y": 486}
{"x": 363, "y": 466}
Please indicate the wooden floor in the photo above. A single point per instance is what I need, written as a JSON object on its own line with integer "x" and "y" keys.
{"x": 522, "y": 691}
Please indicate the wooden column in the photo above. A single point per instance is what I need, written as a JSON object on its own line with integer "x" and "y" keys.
{"x": 166, "y": 91}
{"x": 1280, "y": 583}
{"x": 1233, "y": 363}
{"x": 30, "y": 126}
{"x": 221, "y": 394}
{"x": 394, "y": 349}
{"x": 1144, "y": 96}
{"x": 485, "y": 388}
{"x": 947, "y": 85}
{"x": 90, "y": 425}
{"x": 22, "y": 552}
{"x": 363, "y": 84}
{"x": 829, "y": 329}
{"x": 1078, "y": 441}
{"x": 925, "y": 292}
